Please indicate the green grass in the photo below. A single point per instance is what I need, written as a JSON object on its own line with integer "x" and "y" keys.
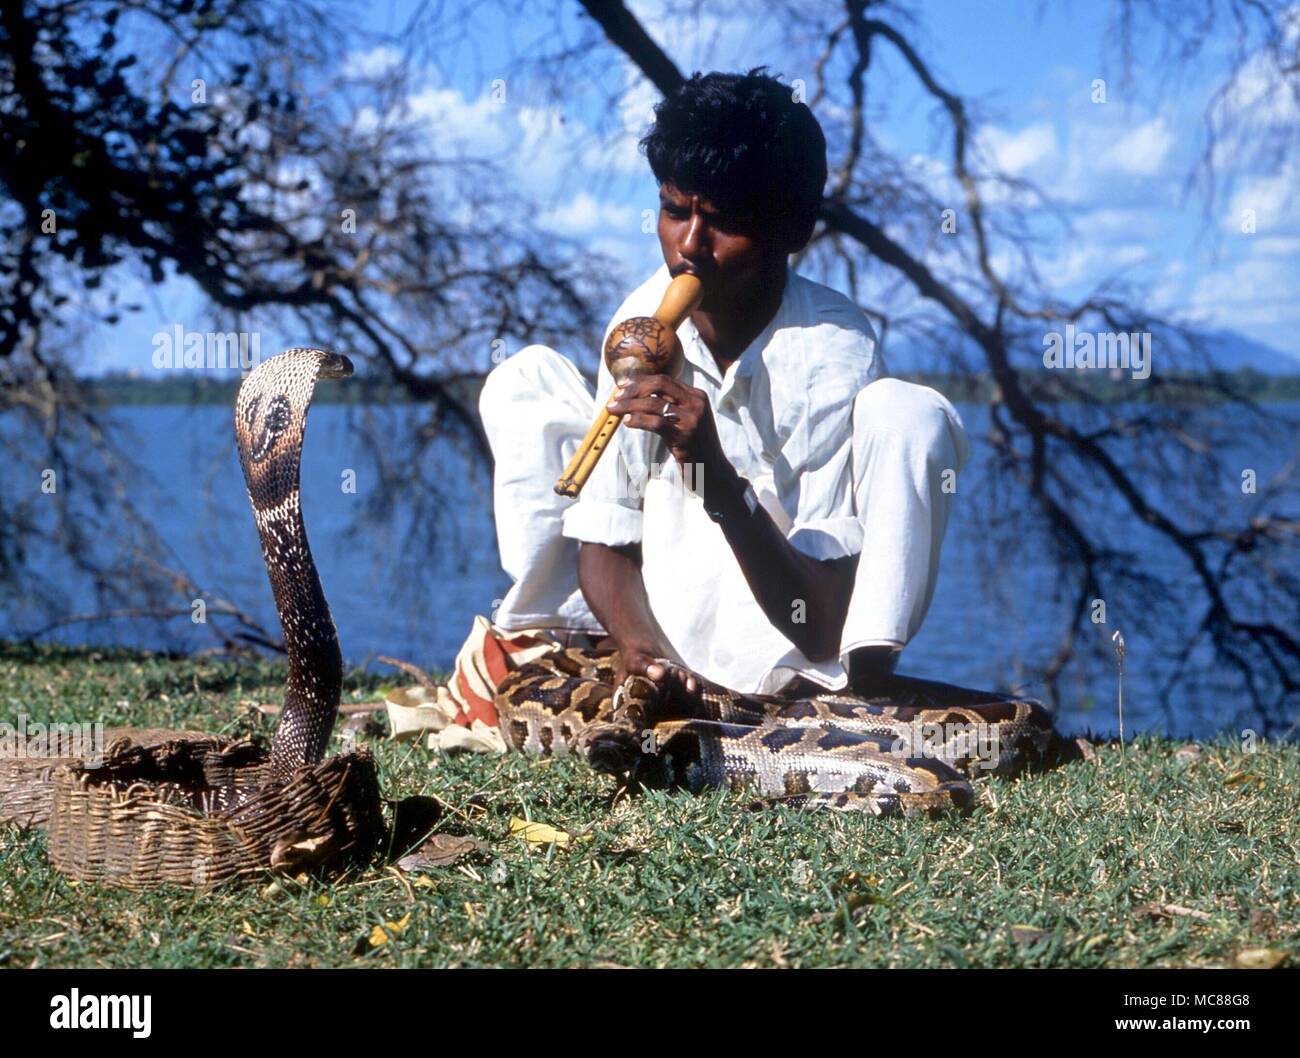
{"x": 1048, "y": 870}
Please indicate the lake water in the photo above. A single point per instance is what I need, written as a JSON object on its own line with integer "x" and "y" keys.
{"x": 996, "y": 618}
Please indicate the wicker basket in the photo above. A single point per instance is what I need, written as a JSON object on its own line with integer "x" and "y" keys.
{"x": 143, "y": 818}
{"x": 27, "y": 771}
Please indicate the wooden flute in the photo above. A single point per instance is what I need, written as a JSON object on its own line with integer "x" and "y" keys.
{"x": 641, "y": 345}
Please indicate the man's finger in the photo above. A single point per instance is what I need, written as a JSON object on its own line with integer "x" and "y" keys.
{"x": 642, "y": 385}
{"x": 648, "y": 385}
{"x": 641, "y": 421}
{"x": 645, "y": 405}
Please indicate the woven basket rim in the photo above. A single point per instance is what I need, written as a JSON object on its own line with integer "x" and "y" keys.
{"x": 110, "y": 824}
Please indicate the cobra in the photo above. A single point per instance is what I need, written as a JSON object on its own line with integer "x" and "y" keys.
{"x": 270, "y": 421}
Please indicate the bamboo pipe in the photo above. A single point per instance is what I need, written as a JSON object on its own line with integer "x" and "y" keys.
{"x": 642, "y": 345}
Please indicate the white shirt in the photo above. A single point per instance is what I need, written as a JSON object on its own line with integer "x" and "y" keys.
{"x": 784, "y": 414}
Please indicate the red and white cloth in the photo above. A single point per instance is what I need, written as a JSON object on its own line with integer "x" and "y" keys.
{"x": 460, "y": 714}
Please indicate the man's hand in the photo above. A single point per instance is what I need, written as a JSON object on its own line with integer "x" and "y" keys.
{"x": 687, "y": 428}
{"x": 648, "y": 661}
{"x": 611, "y": 583}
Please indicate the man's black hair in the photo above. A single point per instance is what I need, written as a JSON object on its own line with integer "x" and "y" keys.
{"x": 742, "y": 142}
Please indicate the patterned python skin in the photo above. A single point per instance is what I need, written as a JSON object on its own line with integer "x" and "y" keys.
{"x": 911, "y": 752}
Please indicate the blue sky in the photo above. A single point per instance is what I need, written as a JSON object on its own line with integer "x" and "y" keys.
{"x": 1121, "y": 171}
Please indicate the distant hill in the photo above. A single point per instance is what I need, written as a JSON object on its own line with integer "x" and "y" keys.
{"x": 1232, "y": 351}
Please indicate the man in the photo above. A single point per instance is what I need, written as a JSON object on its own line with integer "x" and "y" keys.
{"x": 775, "y": 512}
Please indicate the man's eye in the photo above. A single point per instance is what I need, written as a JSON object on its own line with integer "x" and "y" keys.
{"x": 731, "y": 221}
{"x": 676, "y": 212}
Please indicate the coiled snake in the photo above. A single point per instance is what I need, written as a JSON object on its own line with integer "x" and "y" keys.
{"x": 910, "y": 751}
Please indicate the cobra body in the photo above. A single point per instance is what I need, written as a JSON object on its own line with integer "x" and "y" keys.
{"x": 270, "y": 420}
{"x": 910, "y": 752}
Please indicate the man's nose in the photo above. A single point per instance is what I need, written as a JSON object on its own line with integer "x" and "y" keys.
{"x": 694, "y": 243}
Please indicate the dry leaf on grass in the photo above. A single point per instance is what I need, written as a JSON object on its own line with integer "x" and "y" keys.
{"x": 300, "y": 851}
{"x": 1259, "y": 959}
{"x": 441, "y": 850}
{"x": 381, "y": 935}
{"x": 1171, "y": 911}
{"x": 1189, "y": 754}
{"x": 543, "y": 833}
{"x": 1028, "y": 934}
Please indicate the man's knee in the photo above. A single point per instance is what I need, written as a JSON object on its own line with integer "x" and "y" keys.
{"x": 918, "y": 416}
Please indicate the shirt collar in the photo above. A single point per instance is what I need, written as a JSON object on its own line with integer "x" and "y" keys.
{"x": 743, "y": 369}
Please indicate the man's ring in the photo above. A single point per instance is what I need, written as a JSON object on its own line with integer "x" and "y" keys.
{"x": 666, "y": 414}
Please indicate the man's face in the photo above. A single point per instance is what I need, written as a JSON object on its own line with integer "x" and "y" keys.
{"x": 736, "y": 258}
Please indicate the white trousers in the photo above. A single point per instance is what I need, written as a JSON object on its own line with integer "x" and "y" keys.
{"x": 908, "y": 446}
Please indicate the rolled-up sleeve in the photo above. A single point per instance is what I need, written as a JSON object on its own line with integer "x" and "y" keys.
{"x": 604, "y": 512}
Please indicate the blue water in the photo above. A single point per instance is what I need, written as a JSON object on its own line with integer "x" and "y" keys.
{"x": 996, "y": 619}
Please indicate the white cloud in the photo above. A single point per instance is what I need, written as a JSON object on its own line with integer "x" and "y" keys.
{"x": 1076, "y": 158}
{"x": 1252, "y": 294}
{"x": 1083, "y": 262}
{"x": 1278, "y": 246}
{"x": 1271, "y": 197}
{"x": 479, "y": 125}
{"x": 1142, "y": 151}
{"x": 1015, "y": 152}
{"x": 1130, "y": 223}
{"x": 1258, "y": 96}
{"x": 542, "y": 148}
{"x": 636, "y": 108}
{"x": 371, "y": 63}
{"x": 584, "y": 213}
